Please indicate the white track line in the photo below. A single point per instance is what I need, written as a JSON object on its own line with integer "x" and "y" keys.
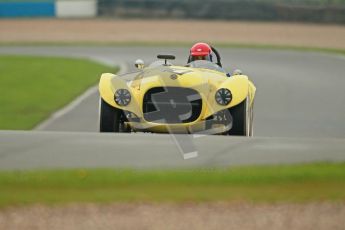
{"x": 72, "y": 105}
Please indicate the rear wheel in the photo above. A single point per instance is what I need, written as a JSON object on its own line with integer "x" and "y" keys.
{"x": 251, "y": 119}
{"x": 242, "y": 117}
{"x": 111, "y": 119}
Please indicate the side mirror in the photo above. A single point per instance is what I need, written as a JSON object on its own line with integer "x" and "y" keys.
{"x": 166, "y": 57}
{"x": 237, "y": 72}
{"x": 139, "y": 64}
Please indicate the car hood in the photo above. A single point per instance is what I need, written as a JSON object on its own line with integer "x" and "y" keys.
{"x": 201, "y": 80}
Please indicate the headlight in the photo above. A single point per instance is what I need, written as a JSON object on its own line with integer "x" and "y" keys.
{"x": 122, "y": 97}
{"x": 223, "y": 96}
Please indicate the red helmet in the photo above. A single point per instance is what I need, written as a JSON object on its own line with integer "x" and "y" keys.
{"x": 200, "y": 51}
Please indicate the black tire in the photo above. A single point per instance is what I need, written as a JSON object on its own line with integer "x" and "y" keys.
{"x": 239, "y": 120}
{"x": 111, "y": 119}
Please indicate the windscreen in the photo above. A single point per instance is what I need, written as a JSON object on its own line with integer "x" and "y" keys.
{"x": 158, "y": 68}
{"x": 206, "y": 65}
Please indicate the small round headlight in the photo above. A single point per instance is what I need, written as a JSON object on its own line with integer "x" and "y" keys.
{"x": 223, "y": 96}
{"x": 122, "y": 97}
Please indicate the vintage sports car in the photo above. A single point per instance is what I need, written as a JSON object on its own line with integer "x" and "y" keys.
{"x": 199, "y": 98}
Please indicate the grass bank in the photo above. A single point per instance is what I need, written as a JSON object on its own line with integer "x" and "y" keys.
{"x": 32, "y": 88}
{"x": 290, "y": 183}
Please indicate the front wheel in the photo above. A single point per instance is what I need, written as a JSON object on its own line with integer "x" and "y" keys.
{"x": 111, "y": 119}
{"x": 242, "y": 119}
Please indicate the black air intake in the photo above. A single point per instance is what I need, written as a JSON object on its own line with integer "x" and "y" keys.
{"x": 171, "y": 105}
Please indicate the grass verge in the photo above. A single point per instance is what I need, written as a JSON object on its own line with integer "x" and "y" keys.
{"x": 289, "y": 183}
{"x": 32, "y": 88}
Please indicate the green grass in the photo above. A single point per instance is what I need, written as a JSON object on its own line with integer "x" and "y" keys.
{"x": 32, "y": 88}
{"x": 292, "y": 183}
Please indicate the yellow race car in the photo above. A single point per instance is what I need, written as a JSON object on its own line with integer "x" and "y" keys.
{"x": 199, "y": 98}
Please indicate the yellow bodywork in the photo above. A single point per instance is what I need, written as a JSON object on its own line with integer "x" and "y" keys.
{"x": 205, "y": 81}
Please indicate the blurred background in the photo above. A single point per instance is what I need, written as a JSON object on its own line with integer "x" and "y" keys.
{"x": 269, "y": 10}
{"x": 52, "y": 53}
{"x": 325, "y": 11}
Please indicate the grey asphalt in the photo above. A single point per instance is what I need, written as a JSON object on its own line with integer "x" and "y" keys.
{"x": 50, "y": 150}
{"x": 300, "y": 99}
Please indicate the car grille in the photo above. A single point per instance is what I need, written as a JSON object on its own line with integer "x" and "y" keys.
{"x": 171, "y": 105}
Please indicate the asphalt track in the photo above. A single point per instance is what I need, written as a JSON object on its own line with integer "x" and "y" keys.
{"x": 150, "y": 151}
{"x": 299, "y": 116}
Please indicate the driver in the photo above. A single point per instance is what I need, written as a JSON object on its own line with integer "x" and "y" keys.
{"x": 200, "y": 51}
{"x": 203, "y": 51}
